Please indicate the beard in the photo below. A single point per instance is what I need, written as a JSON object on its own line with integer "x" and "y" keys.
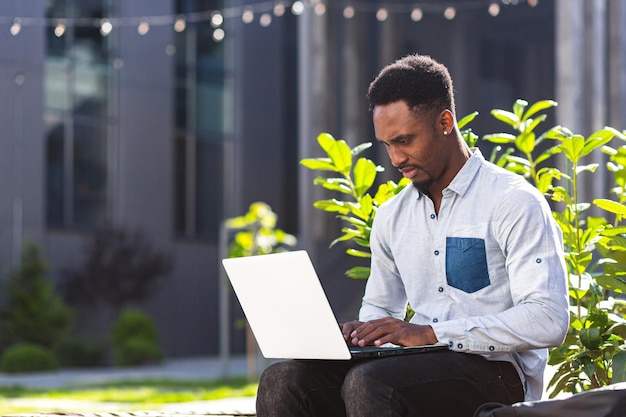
{"x": 423, "y": 186}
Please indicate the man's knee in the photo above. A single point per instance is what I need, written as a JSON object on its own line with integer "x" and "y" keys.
{"x": 362, "y": 386}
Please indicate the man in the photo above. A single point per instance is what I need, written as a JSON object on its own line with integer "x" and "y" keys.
{"x": 472, "y": 248}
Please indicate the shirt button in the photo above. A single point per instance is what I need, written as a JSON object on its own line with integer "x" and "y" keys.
{"x": 450, "y": 343}
{"x": 492, "y": 348}
{"x": 538, "y": 260}
{"x": 436, "y": 253}
{"x": 435, "y": 320}
{"x": 460, "y": 345}
{"x": 440, "y": 289}
{"x": 432, "y": 216}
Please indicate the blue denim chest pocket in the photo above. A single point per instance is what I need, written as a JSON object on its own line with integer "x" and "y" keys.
{"x": 466, "y": 264}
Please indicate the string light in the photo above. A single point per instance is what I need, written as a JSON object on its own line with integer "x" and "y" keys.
{"x": 417, "y": 14}
{"x": 382, "y": 14}
{"x": 217, "y": 19}
{"x": 59, "y": 29}
{"x": 417, "y": 11}
{"x": 180, "y": 24}
{"x": 218, "y": 35}
{"x": 348, "y": 12}
{"x": 449, "y": 13}
{"x": 279, "y": 9}
{"x": 297, "y": 8}
{"x": 494, "y": 9}
{"x": 144, "y": 27}
{"x": 16, "y": 27}
{"x": 105, "y": 27}
{"x": 247, "y": 16}
{"x": 265, "y": 20}
{"x": 319, "y": 9}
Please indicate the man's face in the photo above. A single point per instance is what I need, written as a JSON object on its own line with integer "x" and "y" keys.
{"x": 415, "y": 142}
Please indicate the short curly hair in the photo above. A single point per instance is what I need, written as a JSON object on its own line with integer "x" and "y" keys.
{"x": 419, "y": 80}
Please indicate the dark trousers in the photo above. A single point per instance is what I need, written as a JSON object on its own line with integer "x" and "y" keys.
{"x": 442, "y": 383}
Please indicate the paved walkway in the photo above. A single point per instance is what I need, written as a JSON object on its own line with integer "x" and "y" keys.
{"x": 176, "y": 369}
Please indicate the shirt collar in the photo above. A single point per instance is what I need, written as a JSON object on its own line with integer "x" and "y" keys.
{"x": 461, "y": 182}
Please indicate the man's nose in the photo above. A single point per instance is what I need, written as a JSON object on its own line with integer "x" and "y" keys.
{"x": 396, "y": 156}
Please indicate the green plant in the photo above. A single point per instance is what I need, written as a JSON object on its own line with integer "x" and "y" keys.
{"x": 135, "y": 339}
{"x": 355, "y": 180}
{"x": 593, "y": 353}
{"x": 137, "y": 351}
{"x": 33, "y": 313}
{"x": 77, "y": 352}
{"x": 27, "y": 357}
{"x": 257, "y": 233}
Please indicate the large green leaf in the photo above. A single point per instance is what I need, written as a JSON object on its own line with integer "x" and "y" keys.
{"x": 319, "y": 164}
{"x": 525, "y": 142}
{"x": 358, "y": 272}
{"x": 357, "y": 150}
{"x": 619, "y": 367}
{"x": 334, "y": 184}
{"x": 572, "y": 147}
{"x": 597, "y": 139}
{"x": 519, "y": 106}
{"x": 338, "y": 151}
{"x": 610, "y": 206}
{"x": 612, "y": 283}
{"x": 506, "y": 116}
{"x": 467, "y": 119}
{"x": 539, "y": 106}
{"x": 502, "y": 138}
{"x": 364, "y": 175}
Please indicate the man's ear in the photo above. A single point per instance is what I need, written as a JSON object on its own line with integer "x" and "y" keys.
{"x": 446, "y": 121}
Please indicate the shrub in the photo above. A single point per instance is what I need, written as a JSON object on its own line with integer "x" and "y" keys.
{"x": 120, "y": 267}
{"x": 27, "y": 357}
{"x": 137, "y": 351}
{"x": 33, "y": 313}
{"x": 135, "y": 339}
{"x": 75, "y": 352}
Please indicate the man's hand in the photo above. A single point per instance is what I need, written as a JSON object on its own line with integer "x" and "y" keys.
{"x": 388, "y": 330}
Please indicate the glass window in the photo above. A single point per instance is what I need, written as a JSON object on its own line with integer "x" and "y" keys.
{"x": 55, "y": 187}
{"x": 76, "y": 102}
{"x": 200, "y": 120}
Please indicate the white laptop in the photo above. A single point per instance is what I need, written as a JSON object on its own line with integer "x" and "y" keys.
{"x": 288, "y": 312}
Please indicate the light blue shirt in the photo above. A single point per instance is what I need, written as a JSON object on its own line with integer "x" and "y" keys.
{"x": 487, "y": 273}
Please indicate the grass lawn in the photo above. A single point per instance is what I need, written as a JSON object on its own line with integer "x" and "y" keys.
{"x": 122, "y": 395}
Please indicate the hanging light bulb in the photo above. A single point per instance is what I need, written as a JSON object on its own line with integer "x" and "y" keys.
{"x": 180, "y": 24}
{"x": 449, "y": 13}
{"x": 16, "y": 27}
{"x": 217, "y": 19}
{"x": 297, "y": 8}
{"x": 417, "y": 14}
{"x": 382, "y": 14}
{"x": 144, "y": 27}
{"x": 247, "y": 16}
{"x": 533, "y": 3}
{"x": 59, "y": 29}
{"x": 320, "y": 9}
{"x": 218, "y": 35}
{"x": 265, "y": 20}
{"x": 279, "y": 9}
{"x": 348, "y": 12}
{"x": 105, "y": 27}
{"x": 494, "y": 9}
